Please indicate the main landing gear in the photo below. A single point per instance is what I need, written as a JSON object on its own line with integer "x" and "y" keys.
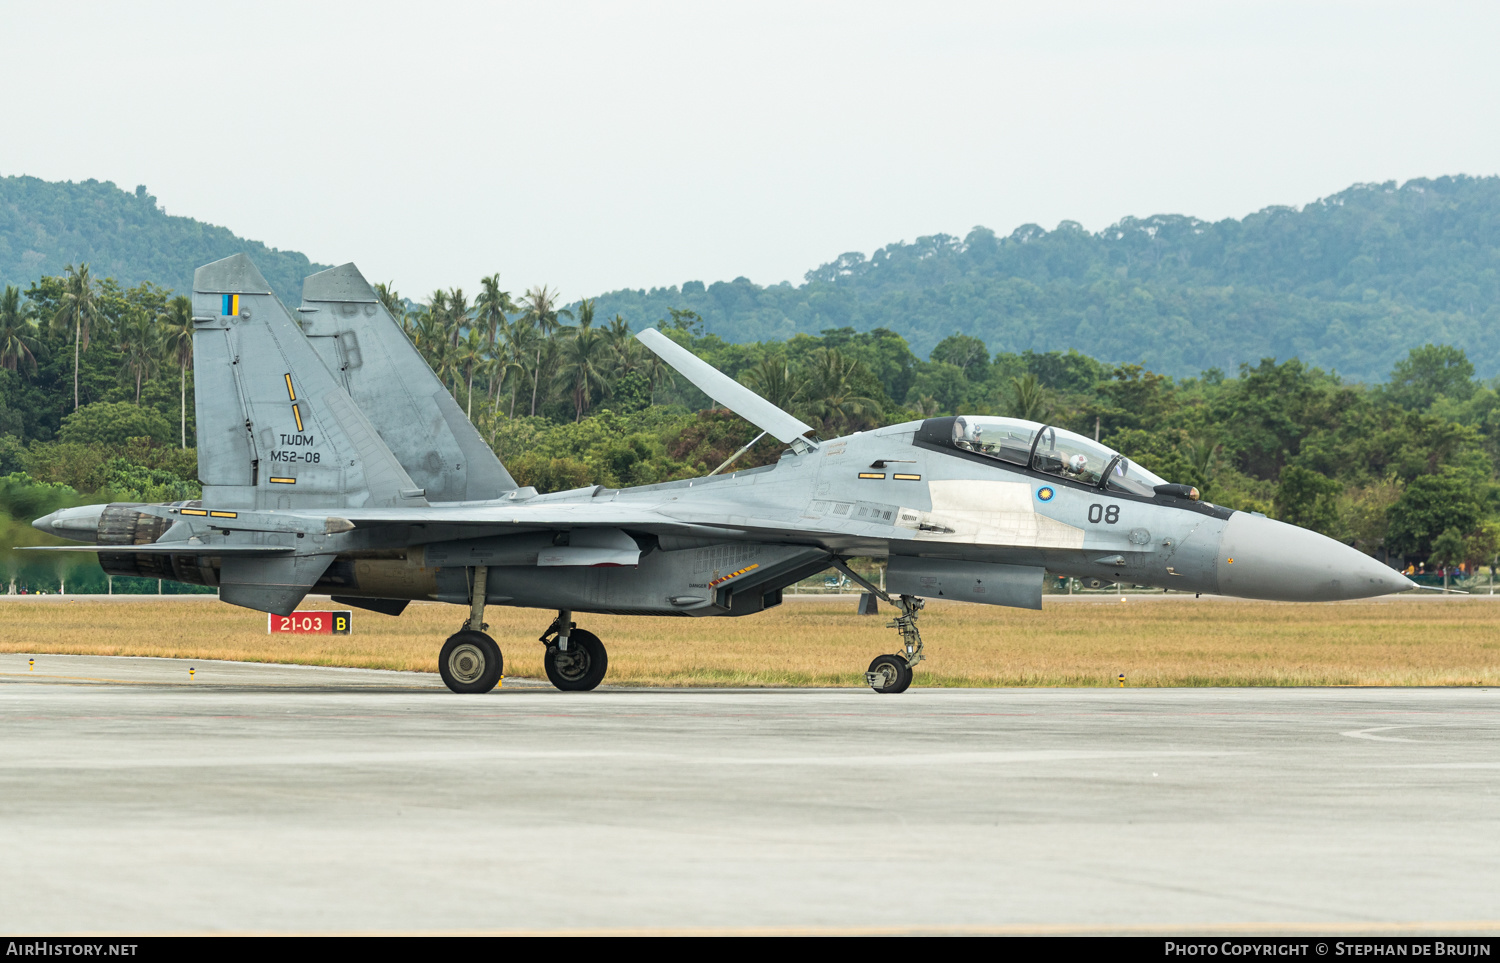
{"x": 890, "y": 674}
{"x": 471, "y": 662}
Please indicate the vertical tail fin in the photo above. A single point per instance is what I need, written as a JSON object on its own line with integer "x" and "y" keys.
{"x": 389, "y": 380}
{"x": 275, "y": 428}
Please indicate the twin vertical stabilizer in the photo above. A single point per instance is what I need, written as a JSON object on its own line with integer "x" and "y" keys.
{"x": 393, "y": 385}
{"x": 275, "y": 427}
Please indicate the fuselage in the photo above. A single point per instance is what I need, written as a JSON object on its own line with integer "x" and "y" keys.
{"x": 727, "y": 544}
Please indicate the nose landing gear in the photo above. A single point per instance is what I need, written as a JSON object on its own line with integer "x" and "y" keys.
{"x": 890, "y": 674}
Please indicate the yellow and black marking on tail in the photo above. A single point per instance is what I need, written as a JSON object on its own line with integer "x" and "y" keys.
{"x": 291, "y": 393}
{"x": 275, "y": 480}
{"x": 297, "y": 414}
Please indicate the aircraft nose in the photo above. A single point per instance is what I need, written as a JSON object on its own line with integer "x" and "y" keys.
{"x": 1260, "y": 558}
{"x": 80, "y": 524}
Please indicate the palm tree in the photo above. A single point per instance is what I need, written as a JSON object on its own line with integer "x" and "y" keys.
{"x": 392, "y": 300}
{"x": 491, "y": 308}
{"x": 540, "y": 306}
{"x": 832, "y": 392}
{"x": 79, "y": 307}
{"x": 427, "y": 327}
{"x": 458, "y": 315}
{"x": 774, "y": 381}
{"x": 140, "y": 345}
{"x": 620, "y": 344}
{"x": 658, "y": 373}
{"x": 177, "y": 339}
{"x": 468, "y": 356}
{"x": 582, "y": 363}
{"x": 520, "y": 338}
{"x": 18, "y": 335}
{"x": 1028, "y": 398}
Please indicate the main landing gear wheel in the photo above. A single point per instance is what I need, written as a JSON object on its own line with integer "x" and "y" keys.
{"x": 581, "y": 666}
{"x": 470, "y": 662}
{"x": 889, "y": 674}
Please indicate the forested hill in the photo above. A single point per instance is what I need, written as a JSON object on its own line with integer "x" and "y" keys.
{"x": 46, "y": 225}
{"x": 1348, "y": 282}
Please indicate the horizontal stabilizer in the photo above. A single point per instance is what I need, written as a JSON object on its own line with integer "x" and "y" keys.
{"x": 275, "y": 585}
{"x": 750, "y": 406}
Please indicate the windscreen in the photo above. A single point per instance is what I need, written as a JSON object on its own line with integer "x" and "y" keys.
{"x": 1127, "y": 476}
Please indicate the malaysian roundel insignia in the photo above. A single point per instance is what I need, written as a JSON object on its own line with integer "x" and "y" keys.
{"x": 1045, "y": 493}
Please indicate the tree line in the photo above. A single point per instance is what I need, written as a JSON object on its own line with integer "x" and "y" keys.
{"x": 96, "y": 384}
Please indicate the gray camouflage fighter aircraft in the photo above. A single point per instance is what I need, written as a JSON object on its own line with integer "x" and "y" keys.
{"x": 334, "y": 461}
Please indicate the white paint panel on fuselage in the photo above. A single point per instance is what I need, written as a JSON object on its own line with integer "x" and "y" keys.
{"x": 988, "y": 513}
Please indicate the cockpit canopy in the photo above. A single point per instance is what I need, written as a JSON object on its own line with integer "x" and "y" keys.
{"x": 1055, "y": 451}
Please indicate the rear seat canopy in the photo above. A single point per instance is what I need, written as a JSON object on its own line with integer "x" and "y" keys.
{"x": 1053, "y": 451}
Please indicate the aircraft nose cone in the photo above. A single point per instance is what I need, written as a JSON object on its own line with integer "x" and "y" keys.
{"x": 80, "y": 524}
{"x": 1264, "y": 559}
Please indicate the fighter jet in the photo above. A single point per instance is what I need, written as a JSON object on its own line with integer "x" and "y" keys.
{"x": 334, "y": 461}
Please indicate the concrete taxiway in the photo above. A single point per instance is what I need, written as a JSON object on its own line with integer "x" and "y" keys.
{"x": 284, "y": 799}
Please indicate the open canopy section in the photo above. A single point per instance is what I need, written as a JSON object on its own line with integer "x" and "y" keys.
{"x": 1053, "y": 450}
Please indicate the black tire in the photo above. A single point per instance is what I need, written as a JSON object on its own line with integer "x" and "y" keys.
{"x": 895, "y": 672}
{"x": 582, "y": 667}
{"x": 470, "y": 662}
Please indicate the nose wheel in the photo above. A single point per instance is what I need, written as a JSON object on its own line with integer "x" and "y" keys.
{"x": 889, "y": 674}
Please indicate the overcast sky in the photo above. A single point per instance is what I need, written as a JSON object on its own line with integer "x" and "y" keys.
{"x": 594, "y": 146}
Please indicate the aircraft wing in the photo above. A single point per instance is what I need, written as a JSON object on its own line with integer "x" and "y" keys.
{"x": 750, "y": 406}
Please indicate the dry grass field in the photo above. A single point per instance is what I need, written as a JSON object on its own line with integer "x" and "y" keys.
{"x": 1155, "y": 642}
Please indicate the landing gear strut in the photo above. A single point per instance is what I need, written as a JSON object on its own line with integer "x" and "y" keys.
{"x": 575, "y": 660}
{"x": 470, "y": 661}
{"x": 890, "y": 674}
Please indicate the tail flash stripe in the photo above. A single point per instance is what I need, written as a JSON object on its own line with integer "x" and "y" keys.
{"x": 290, "y": 393}
{"x": 231, "y": 305}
